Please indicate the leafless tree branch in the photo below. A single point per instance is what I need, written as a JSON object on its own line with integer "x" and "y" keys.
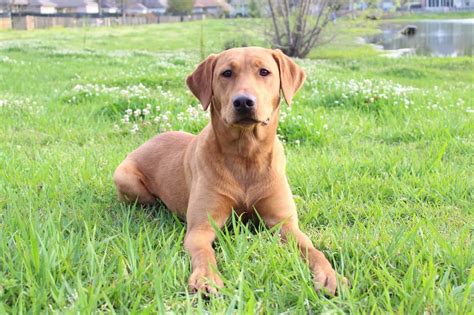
{"x": 298, "y": 24}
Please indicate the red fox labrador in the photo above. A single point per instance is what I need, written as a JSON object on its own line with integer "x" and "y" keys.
{"x": 235, "y": 164}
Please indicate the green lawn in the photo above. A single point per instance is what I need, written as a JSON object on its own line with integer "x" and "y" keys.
{"x": 427, "y": 15}
{"x": 380, "y": 159}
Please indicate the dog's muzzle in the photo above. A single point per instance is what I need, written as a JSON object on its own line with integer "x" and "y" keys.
{"x": 244, "y": 104}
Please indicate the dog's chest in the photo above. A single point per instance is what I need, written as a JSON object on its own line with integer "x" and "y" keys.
{"x": 248, "y": 195}
{"x": 247, "y": 181}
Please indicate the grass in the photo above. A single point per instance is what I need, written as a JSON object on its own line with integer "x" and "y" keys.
{"x": 429, "y": 15}
{"x": 381, "y": 168}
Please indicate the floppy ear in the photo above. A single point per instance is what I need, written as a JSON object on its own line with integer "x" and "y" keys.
{"x": 200, "y": 81}
{"x": 291, "y": 75}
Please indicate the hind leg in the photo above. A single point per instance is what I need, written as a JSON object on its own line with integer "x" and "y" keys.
{"x": 131, "y": 185}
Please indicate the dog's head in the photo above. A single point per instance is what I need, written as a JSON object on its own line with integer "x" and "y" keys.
{"x": 244, "y": 84}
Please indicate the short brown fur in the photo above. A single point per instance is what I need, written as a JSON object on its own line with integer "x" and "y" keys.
{"x": 235, "y": 163}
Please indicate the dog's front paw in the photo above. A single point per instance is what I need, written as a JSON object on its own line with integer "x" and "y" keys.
{"x": 205, "y": 281}
{"x": 325, "y": 280}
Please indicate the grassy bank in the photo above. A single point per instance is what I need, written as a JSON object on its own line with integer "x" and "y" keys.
{"x": 427, "y": 15}
{"x": 379, "y": 158}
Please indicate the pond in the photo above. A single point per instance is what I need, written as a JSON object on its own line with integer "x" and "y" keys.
{"x": 432, "y": 38}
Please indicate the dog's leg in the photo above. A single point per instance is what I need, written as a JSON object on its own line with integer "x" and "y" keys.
{"x": 324, "y": 275}
{"x": 198, "y": 241}
{"x": 130, "y": 187}
{"x": 280, "y": 208}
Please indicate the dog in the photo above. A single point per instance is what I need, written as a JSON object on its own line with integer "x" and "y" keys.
{"x": 235, "y": 164}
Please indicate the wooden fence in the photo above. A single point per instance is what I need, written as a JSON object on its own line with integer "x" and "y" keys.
{"x": 5, "y": 23}
{"x": 31, "y": 22}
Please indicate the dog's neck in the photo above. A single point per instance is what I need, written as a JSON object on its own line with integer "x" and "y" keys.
{"x": 254, "y": 142}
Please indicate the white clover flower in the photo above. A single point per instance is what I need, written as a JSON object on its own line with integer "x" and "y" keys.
{"x": 325, "y": 127}
{"x": 146, "y": 112}
{"x": 129, "y": 112}
{"x": 158, "y": 108}
{"x": 77, "y": 88}
{"x": 137, "y": 112}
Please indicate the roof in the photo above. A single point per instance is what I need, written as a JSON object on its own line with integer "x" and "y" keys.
{"x": 72, "y": 3}
{"x": 15, "y": 2}
{"x": 42, "y": 3}
{"x": 155, "y": 3}
{"x": 109, "y": 4}
{"x": 136, "y": 7}
{"x": 210, "y": 3}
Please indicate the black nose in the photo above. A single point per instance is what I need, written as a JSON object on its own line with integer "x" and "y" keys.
{"x": 243, "y": 104}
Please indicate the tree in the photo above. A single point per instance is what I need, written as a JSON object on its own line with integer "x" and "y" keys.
{"x": 254, "y": 9}
{"x": 123, "y": 5}
{"x": 180, "y": 7}
{"x": 297, "y": 25}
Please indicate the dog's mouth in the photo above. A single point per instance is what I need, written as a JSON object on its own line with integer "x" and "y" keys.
{"x": 249, "y": 121}
{"x": 246, "y": 121}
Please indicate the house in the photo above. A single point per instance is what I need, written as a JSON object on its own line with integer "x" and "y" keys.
{"x": 157, "y": 7}
{"x": 41, "y": 7}
{"x": 443, "y": 4}
{"x": 109, "y": 7}
{"x": 211, "y": 7}
{"x": 77, "y": 6}
{"x": 12, "y": 6}
{"x": 135, "y": 8}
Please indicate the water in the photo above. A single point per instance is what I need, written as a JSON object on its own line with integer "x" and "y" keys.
{"x": 432, "y": 38}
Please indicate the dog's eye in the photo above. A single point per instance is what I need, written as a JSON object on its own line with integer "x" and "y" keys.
{"x": 227, "y": 73}
{"x": 264, "y": 72}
